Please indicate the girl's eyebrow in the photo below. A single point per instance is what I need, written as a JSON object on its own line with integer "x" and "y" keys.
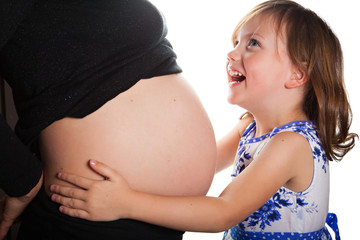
{"x": 251, "y": 35}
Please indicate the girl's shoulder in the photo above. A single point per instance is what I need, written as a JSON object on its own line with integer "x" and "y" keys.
{"x": 305, "y": 129}
{"x": 296, "y": 138}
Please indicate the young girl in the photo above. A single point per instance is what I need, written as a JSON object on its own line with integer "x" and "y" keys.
{"x": 286, "y": 70}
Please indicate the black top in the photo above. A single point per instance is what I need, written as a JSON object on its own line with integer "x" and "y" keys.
{"x": 68, "y": 58}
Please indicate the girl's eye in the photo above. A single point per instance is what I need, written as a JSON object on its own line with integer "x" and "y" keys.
{"x": 253, "y": 43}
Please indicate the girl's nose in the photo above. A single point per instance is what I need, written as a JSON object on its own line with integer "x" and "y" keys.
{"x": 233, "y": 55}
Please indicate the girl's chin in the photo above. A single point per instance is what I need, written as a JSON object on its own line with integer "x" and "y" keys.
{"x": 232, "y": 99}
{"x": 235, "y": 99}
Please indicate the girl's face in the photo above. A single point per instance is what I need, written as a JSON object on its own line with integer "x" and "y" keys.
{"x": 258, "y": 66}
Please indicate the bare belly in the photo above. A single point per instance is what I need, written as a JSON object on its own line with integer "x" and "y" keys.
{"x": 156, "y": 134}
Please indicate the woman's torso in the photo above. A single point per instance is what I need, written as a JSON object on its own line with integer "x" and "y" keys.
{"x": 156, "y": 134}
{"x": 71, "y": 64}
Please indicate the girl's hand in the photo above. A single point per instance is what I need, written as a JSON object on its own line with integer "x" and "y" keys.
{"x": 94, "y": 200}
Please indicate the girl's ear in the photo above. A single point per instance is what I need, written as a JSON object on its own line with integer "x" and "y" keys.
{"x": 297, "y": 79}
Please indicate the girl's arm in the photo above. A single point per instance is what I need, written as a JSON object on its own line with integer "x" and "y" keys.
{"x": 281, "y": 161}
{"x": 227, "y": 146}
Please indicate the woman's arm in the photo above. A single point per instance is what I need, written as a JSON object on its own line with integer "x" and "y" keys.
{"x": 111, "y": 199}
{"x": 20, "y": 170}
{"x": 12, "y": 207}
{"x": 20, "y": 177}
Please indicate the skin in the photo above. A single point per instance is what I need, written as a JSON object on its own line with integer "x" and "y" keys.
{"x": 285, "y": 161}
{"x": 156, "y": 134}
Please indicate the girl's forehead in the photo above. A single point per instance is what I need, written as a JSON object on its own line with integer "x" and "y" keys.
{"x": 259, "y": 25}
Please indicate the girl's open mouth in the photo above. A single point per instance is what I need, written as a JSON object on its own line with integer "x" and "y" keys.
{"x": 236, "y": 76}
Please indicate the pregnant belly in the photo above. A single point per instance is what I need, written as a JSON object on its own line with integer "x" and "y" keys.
{"x": 156, "y": 134}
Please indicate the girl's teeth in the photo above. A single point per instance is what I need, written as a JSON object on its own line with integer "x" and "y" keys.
{"x": 234, "y": 74}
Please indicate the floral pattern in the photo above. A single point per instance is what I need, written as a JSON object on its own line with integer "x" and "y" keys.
{"x": 267, "y": 213}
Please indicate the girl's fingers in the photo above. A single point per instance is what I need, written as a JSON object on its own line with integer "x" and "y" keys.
{"x": 68, "y": 192}
{"x": 69, "y": 202}
{"x": 79, "y": 181}
{"x": 103, "y": 170}
{"x": 77, "y": 213}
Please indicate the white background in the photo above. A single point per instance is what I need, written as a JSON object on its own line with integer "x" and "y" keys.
{"x": 200, "y": 32}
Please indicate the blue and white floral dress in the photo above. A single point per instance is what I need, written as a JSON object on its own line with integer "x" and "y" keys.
{"x": 287, "y": 214}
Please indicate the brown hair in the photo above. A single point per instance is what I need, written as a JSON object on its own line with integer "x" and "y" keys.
{"x": 313, "y": 47}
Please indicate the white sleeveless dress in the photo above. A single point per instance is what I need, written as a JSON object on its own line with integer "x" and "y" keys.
{"x": 287, "y": 214}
